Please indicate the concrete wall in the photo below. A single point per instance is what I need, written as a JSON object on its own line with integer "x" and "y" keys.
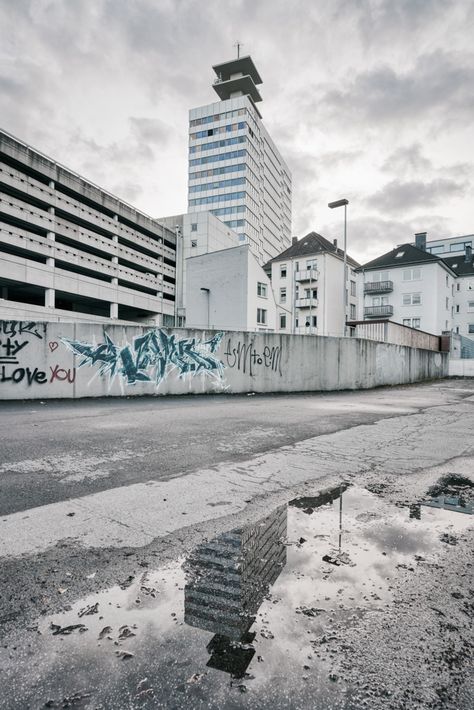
{"x": 68, "y": 360}
{"x": 388, "y": 332}
{"x": 461, "y": 367}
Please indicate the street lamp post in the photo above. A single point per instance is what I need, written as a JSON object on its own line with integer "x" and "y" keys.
{"x": 333, "y": 205}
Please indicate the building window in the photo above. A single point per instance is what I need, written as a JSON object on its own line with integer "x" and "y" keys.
{"x": 283, "y": 271}
{"x": 261, "y": 290}
{"x": 378, "y": 276}
{"x": 447, "y": 280}
{"x": 283, "y": 295}
{"x": 194, "y": 243}
{"x": 412, "y": 299}
{"x": 282, "y": 321}
{"x": 380, "y": 300}
{"x": 457, "y": 308}
{"x": 470, "y": 305}
{"x": 353, "y": 312}
{"x": 353, "y": 288}
{"x": 194, "y": 227}
{"x": 458, "y": 287}
{"x": 412, "y": 274}
{"x": 412, "y": 322}
{"x": 447, "y": 303}
{"x": 311, "y": 263}
{"x": 261, "y": 316}
{"x": 470, "y": 328}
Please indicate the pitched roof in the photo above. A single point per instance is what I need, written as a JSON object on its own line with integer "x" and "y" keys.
{"x": 401, "y": 256}
{"x": 459, "y": 265}
{"x": 312, "y": 243}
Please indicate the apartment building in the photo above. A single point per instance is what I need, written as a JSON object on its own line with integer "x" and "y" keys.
{"x": 70, "y": 250}
{"x": 307, "y": 281}
{"x": 409, "y": 285}
{"x": 235, "y": 168}
{"x": 463, "y": 292}
{"x": 450, "y": 245}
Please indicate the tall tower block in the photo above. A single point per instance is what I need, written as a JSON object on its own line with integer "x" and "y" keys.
{"x": 235, "y": 170}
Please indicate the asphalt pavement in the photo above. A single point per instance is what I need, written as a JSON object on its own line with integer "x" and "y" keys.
{"x": 102, "y": 500}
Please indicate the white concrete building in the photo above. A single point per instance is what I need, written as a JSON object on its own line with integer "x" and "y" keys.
{"x": 197, "y": 233}
{"x": 307, "y": 282}
{"x": 71, "y": 251}
{"x": 235, "y": 169}
{"x": 450, "y": 245}
{"x": 410, "y": 286}
{"x": 463, "y": 293}
{"x": 229, "y": 290}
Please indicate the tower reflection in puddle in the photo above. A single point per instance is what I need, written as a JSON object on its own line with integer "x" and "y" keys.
{"x": 227, "y": 580}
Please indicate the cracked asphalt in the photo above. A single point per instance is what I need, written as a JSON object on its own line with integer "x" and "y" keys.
{"x": 103, "y": 488}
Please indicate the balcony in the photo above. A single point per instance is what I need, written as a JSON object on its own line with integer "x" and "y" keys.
{"x": 306, "y": 302}
{"x": 378, "y": 286}
{"x": 378, "y": 311}
{"x": 307, "y": 275}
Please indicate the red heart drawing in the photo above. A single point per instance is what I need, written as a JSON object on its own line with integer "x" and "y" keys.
{"x": 53, "y": 345}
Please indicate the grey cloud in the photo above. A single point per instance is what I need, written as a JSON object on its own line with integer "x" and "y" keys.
{"x": 407, "y": 159}
{"x": 414, "y": 194}
{"x": 150, "y": 130}
{"x": 438, "y": 89}
{"x": 370, "y": 236}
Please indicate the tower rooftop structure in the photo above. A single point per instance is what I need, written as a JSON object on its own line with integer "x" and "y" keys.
{"x": 235, "y": 169}
{"x": 237, "y": 77}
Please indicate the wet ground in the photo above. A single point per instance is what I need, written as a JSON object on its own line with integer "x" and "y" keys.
{"x": 342, "y": 599}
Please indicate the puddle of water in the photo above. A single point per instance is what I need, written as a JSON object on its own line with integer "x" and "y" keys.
{"x": 244, "y": 621}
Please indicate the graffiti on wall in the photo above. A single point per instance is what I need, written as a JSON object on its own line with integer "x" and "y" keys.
{"x": 151, "y": 357}
{"x": 15, "y": 339}
{"x": 248, "y": 359}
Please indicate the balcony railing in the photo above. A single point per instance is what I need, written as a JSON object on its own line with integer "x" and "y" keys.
{"x": 306, "y": 330}
{"x": 378, "y": 286}
{"x": 378, "y": 311}
{"x": 306, "y": 302}
{"x": 306, "y": 275}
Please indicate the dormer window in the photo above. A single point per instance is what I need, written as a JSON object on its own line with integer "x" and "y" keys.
{"x": 399, "y": 255}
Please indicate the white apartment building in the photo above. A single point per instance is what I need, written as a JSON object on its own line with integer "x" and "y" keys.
{"x": 450, "y": 245}
{"x": 197, "y": 233}
{"x": 307, "y": 282}
{"x": 410, "y": 286}
{"x": 71, "y": 251}
{"x": 229, "y": 290}
{"x": 463, "y": 295}
{"x": 235, "y": 169}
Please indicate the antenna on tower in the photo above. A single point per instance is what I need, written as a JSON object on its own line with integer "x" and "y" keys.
{"x": 238, "y": 44}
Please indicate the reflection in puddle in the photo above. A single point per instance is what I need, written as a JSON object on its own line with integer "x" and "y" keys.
{"x": 247, "y": 620}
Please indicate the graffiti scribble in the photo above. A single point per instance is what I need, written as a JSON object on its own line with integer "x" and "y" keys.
{"x": 18, "y": 327}
{"x": 151, "y": 357}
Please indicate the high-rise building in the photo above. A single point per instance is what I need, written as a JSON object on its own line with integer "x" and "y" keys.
{"x": 235, "y": 170}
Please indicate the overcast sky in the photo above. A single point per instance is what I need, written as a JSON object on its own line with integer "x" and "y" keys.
{"x": 372, "y": 100}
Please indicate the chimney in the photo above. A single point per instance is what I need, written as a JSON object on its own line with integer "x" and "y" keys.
{"x": 294, "y": 240}
{"x": 334, "y": 241}
{"x": 420, "y": 240}
{"x": 468, "y": 254}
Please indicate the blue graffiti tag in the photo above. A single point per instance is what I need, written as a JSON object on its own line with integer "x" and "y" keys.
{"x": 151, "y": 357}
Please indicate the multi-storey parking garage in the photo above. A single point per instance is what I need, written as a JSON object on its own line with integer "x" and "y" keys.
{"x": 69, "y": 249}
